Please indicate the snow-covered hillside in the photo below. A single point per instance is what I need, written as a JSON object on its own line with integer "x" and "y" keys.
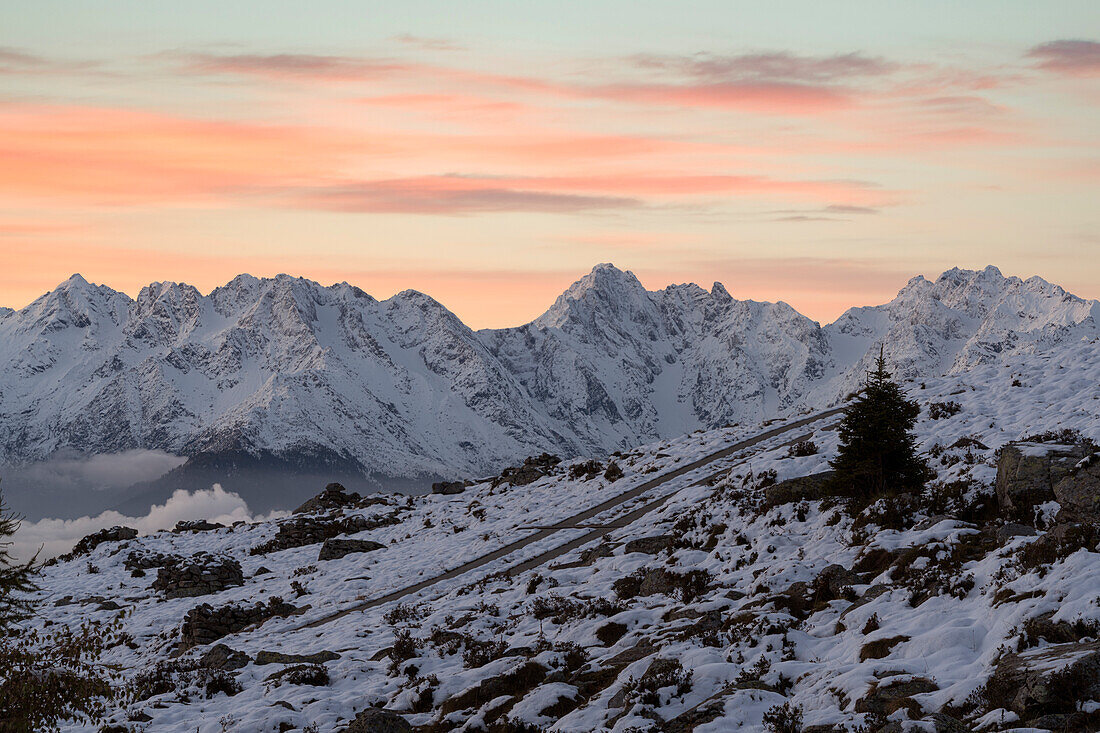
{"x": 303, "y": 376}
{"x": 706, "y": 602}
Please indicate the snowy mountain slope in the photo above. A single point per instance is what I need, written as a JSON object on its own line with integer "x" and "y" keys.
{"x": 286, "y": 372}
{"x": 626, "y": 365}
{"x": 964, "y": 319}
{"x": 917, "y": 624}
{"x": 281, "y": 365}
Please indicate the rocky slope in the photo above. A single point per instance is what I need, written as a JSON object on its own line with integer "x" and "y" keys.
{"x": 309, "y": 380}
{"x": 742, "y": 602}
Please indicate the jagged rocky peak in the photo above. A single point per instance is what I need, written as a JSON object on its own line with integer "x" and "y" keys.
{"x": 77, "y": 303}
{"x": 605, "y": 290}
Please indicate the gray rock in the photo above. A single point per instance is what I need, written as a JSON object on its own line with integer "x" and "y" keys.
{"x": 378, "y": 720}
{"x": 198, "y": 525}
{"x": 1046, "y": 680}
{"x": 334, "y": 549}
{"x": 1079, "y": 491}
{"x": 833, "y": 582}
{"x": 92, "y": 541}
{"x": 871, "y": 594}
{"x": 1013, "y": 529}
{"x": 658, "y": 580}
{"x": 266, "y": 657}
{"x": 1028, "y": 472}
{"x": 222, "y": 657}
{"x": 886, "y": 697}
{"x": 649, "y": 545}
{"x": 448, "y": 488}
{"x": 814, "y": 486}
{"x": 334, "y": 496}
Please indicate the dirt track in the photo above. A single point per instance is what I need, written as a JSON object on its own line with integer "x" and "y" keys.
{"x": 577, "y": 519}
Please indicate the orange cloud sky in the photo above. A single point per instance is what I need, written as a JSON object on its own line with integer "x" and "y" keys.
{"x": 197, "y": 166}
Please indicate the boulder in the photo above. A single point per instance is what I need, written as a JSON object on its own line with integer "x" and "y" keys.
{"x": 1028, "y": 472}
{"x": 890, "y": 695}
{"x": 814, "y": 486}
{"x": 222, "y": 657}
{"x": 658, "y": 580}
{"x": 205, "y": 624}
{"x": 448, "y": 488}
{"x": 613, "y": 472}
{"x": 1013, "y": 529}
{"x": 266, "y": 657}
{"x": 302, "y": 531}
{"x": 378, "y": 720}
{"x": 833, "y": 582}
{"x": 334, "y": 549}
{"x": 1048, "y": 680}
{"x": 649, "y": 545}
{"x": 516, "y": 683}
{"x": 880, "y": 648}
{"x": 1079, "y": 491}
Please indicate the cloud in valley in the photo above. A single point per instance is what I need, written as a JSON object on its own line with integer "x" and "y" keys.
{"x": 57, "y": 536}
{"x": 100, "y": 471}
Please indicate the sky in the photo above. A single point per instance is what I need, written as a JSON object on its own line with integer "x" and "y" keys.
{"x": 490, "y": 153}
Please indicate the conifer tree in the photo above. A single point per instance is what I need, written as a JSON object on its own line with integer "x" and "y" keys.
{"x": 877, "y": 453}
{"x": 49, "y": 675}
{"x": 16, "y": 578}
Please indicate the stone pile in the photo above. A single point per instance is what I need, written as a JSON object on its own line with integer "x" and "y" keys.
{"x": 146, "y": 560}
{"x": 92, "y": 541}
{"x": 205, "y": 624}
{"x": 312, "y": 530}
{"x": 335, "y": 496}
{"x": 198, "y": 575}
{"x": 533, "y": 468}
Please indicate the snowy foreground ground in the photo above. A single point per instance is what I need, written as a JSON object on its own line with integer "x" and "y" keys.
{"x": 595, "y": 639}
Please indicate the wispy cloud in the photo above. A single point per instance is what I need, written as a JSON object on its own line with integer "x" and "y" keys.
{"x": 426, "y": 43}
{"x": 461, "y": 194}
{"x": 1075, "y": 57}
{"x": 447, "y": 195}
{"x": 291, "y": 66}
{"x": 775, "y": 66}
{"x": 16, "y": 61}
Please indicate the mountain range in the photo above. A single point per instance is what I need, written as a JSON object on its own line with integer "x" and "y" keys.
{"x": 267, "y": 381}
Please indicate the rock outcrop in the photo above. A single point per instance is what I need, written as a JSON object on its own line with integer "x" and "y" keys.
{"x": 1028, "y": 472}
{"x": 1045, "y": 686}
{"x": 335, "y": 496}
{"x": 1078, "y": 492}
{"x": 92, "y": 541}
{"x": 302, "y": 531}
{"x": 336, "y": 549}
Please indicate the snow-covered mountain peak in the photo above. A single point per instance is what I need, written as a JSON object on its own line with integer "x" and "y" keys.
{"x": 606, "y": 289}
{"x": 403, "y": 388}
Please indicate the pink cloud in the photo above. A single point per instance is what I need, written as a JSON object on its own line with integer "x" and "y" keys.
{"x": 121, "y": 156}
{"x": 1071, "y": 57}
